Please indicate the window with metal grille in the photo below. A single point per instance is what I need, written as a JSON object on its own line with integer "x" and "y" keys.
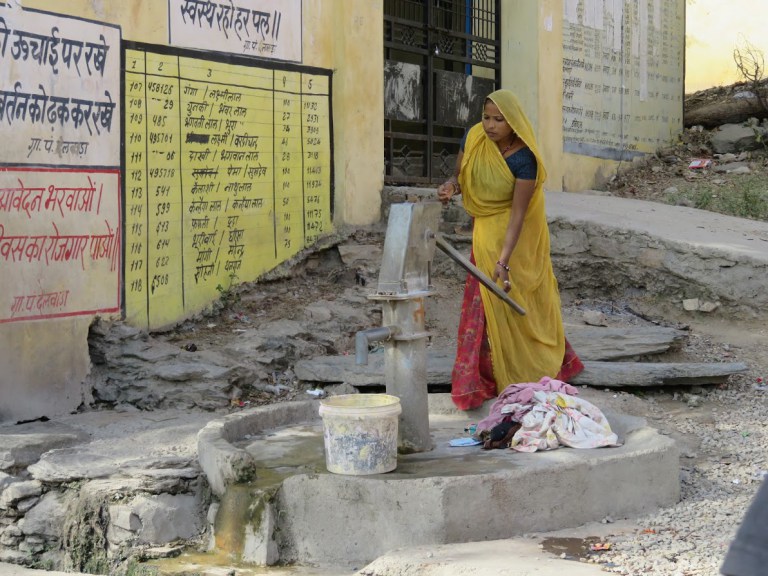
{"x": 442, "y": 58}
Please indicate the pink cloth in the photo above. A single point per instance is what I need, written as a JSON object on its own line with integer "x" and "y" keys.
{"x": 521, "y": 395}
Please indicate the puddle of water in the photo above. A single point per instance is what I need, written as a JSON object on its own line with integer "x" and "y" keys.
{"x": 284, "y": 452}
{"x": 573, "y": 548}
{"x": 294, "y": 449}
{"x": 222, "y": 564}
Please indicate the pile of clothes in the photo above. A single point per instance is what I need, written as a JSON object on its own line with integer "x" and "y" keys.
{"x": 543, "y": 416}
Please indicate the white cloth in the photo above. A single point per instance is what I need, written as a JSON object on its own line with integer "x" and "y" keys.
{"x": 559, "y": 419}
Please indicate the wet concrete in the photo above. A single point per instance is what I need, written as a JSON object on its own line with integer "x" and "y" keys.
{"x": 444, "y": 495}
{"x": 291, "y": 450}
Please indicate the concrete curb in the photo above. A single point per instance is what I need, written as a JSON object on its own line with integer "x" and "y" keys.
{"x": 565, "y": 488}
{"x": 435, "y": 498}
{"x": 670, "y": 250}
{"x": 223, "y": 463}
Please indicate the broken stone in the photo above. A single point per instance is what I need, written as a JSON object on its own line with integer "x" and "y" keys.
{"x": 19, "y": 491}
{"x": 14, "y": 557}
{"x": 356, "y": 254}
{"x": 693, "y": 401}
{"x": 340, "y": 389}
{"x": 317, "y": 313}
{"x": 32, "y": 546}
{"x": 731, "y": 168}
{"x": 162, "y": 552}
{"x": 12, "y": 535}
{"x": 6, "y": 480}
{"x": 21, "y": 450}
{"x": 709, "y": 306}
{"x": 22, "y": 506}
{"x": 46, "y": 517}
{"x": 594, "y": 318}
{"x": 691, "y": 304}
{"x": 123, "y": 526}
{"x": 166, "y": 518}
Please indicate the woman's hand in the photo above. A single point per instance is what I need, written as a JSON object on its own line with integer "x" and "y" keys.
{"x": 501, "y": 272}
{"x": 446, "y": 191}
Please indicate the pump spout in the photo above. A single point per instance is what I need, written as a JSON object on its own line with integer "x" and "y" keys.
{"x": 364, "y": 337}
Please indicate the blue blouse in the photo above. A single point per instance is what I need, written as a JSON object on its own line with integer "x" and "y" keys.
{"x": 522, "y": 163}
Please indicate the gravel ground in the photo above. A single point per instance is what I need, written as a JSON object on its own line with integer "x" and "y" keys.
{"x": 723, "y": 436}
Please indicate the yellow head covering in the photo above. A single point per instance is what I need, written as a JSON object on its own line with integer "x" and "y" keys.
{"x": 513, "y": 113}
{"x": 523, "y": 348}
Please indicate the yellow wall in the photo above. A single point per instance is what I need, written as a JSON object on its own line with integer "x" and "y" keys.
{"x": 45, "y": 361}
{"x": 358, "y": 94}
{"x": 532, "y": 55}
{"x": 355, "y": 57}
{"x": 533, "y": 52}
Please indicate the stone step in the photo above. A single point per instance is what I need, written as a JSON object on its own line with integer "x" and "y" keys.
{"x": 597, "y": 343}
{"x": 629, "y": 374}
{"x": 594, "y": 345}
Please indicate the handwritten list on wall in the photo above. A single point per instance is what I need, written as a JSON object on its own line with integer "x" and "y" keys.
{"x": 622, "y": 75}
{"x": 227, "y": 174}
{"x": 60, "y": 227}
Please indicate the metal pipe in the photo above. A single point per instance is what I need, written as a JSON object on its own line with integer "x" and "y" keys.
{"x": 365, "y": 337}
{"x": 443, "y": 244}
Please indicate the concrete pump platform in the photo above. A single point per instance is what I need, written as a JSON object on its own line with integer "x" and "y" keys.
{"x": 279, "y": 503}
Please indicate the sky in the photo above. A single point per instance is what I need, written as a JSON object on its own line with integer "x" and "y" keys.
{"x": 714, "y": 28}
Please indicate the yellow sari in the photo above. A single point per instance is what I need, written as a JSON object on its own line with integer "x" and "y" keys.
{"x": 523, "y": 348}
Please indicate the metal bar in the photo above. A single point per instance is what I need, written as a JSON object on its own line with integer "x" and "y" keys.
{"x": 443, "y": 244}
{"x": 429, "y": 105}
{"x": 497, "y": 32}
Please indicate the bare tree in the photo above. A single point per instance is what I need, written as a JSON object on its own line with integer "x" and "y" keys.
{"x": 750, "y": 63}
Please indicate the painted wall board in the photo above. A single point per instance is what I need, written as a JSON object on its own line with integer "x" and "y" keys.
{"x": 59, "y": 243}
{"x": 262, "y": 28}
{"x": 59, "y": 90}
{"x": 228, "y": 174}
{"x": 60, "y": 227}
{"x": 60, "y": 203}
{"x": 622, "y": 76}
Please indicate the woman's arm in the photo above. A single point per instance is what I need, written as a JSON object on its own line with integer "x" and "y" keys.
{"x": 522, "y": 197}
{"x": 450, "y": 187}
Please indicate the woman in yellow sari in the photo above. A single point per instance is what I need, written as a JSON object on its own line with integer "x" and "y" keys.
{"x": 500, "y": 174}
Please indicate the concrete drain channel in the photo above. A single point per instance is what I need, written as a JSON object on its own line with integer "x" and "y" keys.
{"x": 276, "y": 503}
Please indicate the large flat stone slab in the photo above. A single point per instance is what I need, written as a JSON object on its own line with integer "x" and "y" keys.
{"x": 628, "y": 374}
{"x": 597, "y": 343}
{"x": 343, "y": 369}
{"x": 21, "y": 450}
{"x": 593, "y": 345}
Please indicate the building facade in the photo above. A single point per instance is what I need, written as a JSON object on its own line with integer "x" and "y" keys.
{"x": 157, "y": 153}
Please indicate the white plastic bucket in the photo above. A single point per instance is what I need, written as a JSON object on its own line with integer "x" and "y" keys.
{"x": 360, "y": 433}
